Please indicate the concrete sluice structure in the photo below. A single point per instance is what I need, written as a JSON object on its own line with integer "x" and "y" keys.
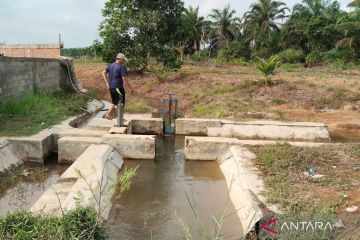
{"x": 96, "y": 151}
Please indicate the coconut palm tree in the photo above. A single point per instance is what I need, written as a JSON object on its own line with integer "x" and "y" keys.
{"x": 225, "y": 26}
{"x": 263, "y": 18}
{"x": 349, "y": 24}
{"x": 196, "y": 25}
{"x": 315, "y": 8}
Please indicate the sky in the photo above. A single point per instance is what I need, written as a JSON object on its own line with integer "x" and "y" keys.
{"x": 39, "y": 21}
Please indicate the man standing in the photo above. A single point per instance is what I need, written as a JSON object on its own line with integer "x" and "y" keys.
{"x": 115, "y": 75}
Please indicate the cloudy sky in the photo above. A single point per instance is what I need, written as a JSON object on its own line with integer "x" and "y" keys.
{"x": 39, "y": 21}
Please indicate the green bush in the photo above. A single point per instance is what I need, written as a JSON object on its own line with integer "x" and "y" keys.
{"x": 77, "y": 224}
{"x": 199, "y": 57}
{"x": 171, "y": 60}
{"x": 314, "y": 58}
{"x": 234, "y": 51}
{"x": 336, "y": 55}
{"x": 291, "y": 56}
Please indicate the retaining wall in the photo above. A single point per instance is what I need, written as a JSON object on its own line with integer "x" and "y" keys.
{"x": 19, "y": 76}
{"x": 308, "y": 131}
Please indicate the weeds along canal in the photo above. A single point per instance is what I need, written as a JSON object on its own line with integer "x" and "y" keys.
{"x": 158, "y": 200}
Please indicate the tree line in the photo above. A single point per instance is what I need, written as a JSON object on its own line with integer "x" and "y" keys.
{"x": 313, "y": 32}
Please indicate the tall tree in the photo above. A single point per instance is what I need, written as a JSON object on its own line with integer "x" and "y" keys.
{"x": 225, "y": 26}
{"x": 196, "y": 25}
{"x": 349, "y": 24}
{"x": 141, "y": 29}
{"x": 312, "y": 26}
{"x": 316, "y": 8}
{"x": 262, "y": 20}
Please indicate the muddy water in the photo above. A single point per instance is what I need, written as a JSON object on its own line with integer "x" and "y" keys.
{"x": 24, "y": 186}
{"x": 157, "y": 198}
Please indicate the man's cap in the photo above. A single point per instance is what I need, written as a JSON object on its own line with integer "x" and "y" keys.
{"x": 121, "y": 56}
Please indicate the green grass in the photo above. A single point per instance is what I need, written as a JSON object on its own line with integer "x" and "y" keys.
{"x": 141, "y": 106}
{"x": 279, "y": 101}
{"x": 231, "y": 109}
{"x": 283, "y": 165}
{"x": 29, "y": 114}
{"x": 291, "y": 66}
{"x": 78, "y": 224}
{"x": 354, "y": 150}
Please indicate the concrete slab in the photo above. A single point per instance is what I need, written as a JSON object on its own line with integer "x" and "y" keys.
{"x": 75, "y": 132}
{"x": 245, "y": 186}
{"x": 195, "y": 126}
{"x": 274, "y": 123}
{"x": 91, "y": 160}
{"x": 90, "y": 177}
{"x": 118, "y": 130}
{"x": 272, "y": 130}
{"x": 70, "y": 148}
{"x": 132, "y": 146}
{"x": 35, "y": 148}
{"x": 147, "y": 126}
{"x": 267, "y": 142}
{"x": 7, "y": 157}
{"x": 100, "y": 124}
{"x": 208, "y": 148}
{"x": 128, "y": 117}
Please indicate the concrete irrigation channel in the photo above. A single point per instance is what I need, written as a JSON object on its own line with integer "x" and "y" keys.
{"x": 207, "y": 159}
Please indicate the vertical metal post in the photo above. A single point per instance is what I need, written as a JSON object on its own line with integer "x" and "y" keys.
{"x": 120, "y": 114}
{"x": 170, "y": 104}
{"x": 170, "y": 113}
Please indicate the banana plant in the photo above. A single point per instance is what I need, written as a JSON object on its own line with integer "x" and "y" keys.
{"x": 268, "y": 67}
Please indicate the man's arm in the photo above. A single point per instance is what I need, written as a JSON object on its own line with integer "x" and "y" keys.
{"x": 106, "y": 78}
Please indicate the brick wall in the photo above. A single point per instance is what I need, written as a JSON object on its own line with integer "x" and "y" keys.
{"x": 18, "y": 76}
{"x": 31, "y": 50}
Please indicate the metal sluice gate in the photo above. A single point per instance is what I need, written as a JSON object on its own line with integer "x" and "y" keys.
{"x": 169, "y": 112}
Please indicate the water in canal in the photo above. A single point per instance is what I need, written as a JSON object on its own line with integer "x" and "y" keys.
{"x": 22, "y": 187}
{"x": 157, "y": 200}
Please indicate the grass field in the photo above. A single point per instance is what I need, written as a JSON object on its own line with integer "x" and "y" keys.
{"x": 29, "y": 114}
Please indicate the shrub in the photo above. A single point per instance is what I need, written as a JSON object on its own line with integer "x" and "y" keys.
{"x": 198, "y": 57}
{"x": 313, "y": 58}
{"x": 233, "y": 51}
{"x": 342, "y": 55}
{"x": 291, "y": 56}
{"x": 171, "y": 60}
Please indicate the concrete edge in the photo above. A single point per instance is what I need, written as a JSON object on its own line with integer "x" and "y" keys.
{"x": 8, "y": 159}
{"x": 71, "y": 186}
